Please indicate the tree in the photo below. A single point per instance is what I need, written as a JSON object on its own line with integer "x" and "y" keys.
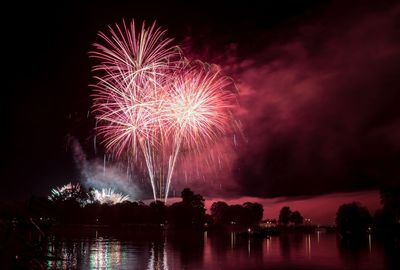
{"x": 296, "y": 218}
{"x": 284, "y": 215}
{"x": 390, "y": 198}
{"x": 387, "y": 219}
{"x": 352, "y": 219}
{"x": 253, "y": 212}
{"x": 187, "y": 195}
{"x": 158, "y": 211}
{"x": 235, "y": 213}
{"x": 220, "y": 212}
{"x": 190, "y": 212}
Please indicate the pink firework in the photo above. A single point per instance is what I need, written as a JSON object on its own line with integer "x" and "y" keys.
{"x": 199, "y": 104}
{"x": 197, "y": 111}
{"x": 133, "y": 67}
{"x": 135, "y": 57}
{"x": 150, "y": 104}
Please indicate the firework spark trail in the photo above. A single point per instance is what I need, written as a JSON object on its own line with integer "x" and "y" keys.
{"x": 65, "y": 192}
{"x": 151, "y": 104}
{"x": 130, "y": 125}
{"x": 133, "y": 64}
{"x": 198, "y": 110}
{"x": 146, "y": 149}
{"x": 109, "y": 196}
{"x": 135, "y": 58}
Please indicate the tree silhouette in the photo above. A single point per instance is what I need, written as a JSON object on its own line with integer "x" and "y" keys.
{"x": 246, "y": 214}
{"x": 296, "y": 218}
{"x": 387, "y": 219}
{"x": 284, "y": 215}
{"x": 352, "y": 219}
{"x": 390, "y": 198}
{"x": 253, "y": 213}
{"x": 190, "y": 212}
{"x": 220, "y": 212}
{"x": 158, "y": 211}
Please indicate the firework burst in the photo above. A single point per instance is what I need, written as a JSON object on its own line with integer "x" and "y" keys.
{"x": 135, "y": 58}
{"x": 150, "y": 104}
{"x": 197, "y": 111}
{"x": 133, "y": 67}
{"x": 66, "y": 192}
{"x": 109, "y": 196}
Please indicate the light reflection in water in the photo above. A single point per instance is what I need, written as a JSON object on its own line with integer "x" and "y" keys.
{"x": 210, "y": 250}
{"x": 369, "y": 243}
{"x": 308, "y": 245}
{"x": 68, "y": 254}
{"x": 158, "y": 259}
{"x": 233, "y": 239}
{"x": 106, "y": 254}
{"x": 102, "y": 254}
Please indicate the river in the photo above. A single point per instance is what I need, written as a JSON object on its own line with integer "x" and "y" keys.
{"x": 157, "y": 249}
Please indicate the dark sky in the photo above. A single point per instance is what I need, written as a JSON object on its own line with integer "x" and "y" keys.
{"x": 319, "y": 86}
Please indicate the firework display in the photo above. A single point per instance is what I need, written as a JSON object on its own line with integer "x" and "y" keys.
{"x": 108, "y": 196}
{"x": 152, "y": 104}
{"x": 76, "y": 192}
{"x": 66, "y": 192}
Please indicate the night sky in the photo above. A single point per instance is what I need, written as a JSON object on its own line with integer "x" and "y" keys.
{"x": 319, "y": 85}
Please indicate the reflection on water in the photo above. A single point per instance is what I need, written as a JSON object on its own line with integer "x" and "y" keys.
{"x": 210, "y": 250}
{"x": 96, "y": 253}
{"x": 158, "y": 257}
{"x": 106, "y": 253}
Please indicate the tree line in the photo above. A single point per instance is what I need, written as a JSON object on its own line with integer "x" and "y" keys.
{"x": 353, "y": 220}
{"x": 190, "y": 212}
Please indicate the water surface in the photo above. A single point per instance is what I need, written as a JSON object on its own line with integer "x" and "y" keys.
{"x": 147, "y": 249}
